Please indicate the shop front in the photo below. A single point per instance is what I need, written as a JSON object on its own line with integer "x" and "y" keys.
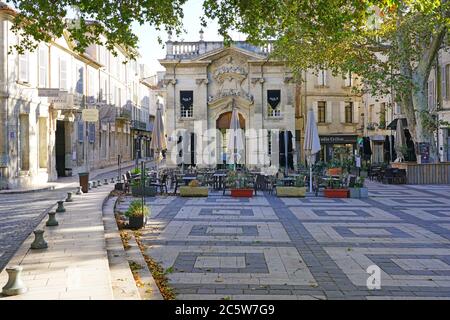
{"x": 337, "y": 147}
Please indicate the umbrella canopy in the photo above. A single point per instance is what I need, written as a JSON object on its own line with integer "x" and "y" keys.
{"x": 158, "y": 142}
{"x": 312, "y": 142}
{"x": 400, "y": 142}
{"x": 235, "y": 141}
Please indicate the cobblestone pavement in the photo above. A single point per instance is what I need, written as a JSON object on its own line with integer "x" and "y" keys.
{"x": 312, "y": 248}
{"x": 21, "y": 213}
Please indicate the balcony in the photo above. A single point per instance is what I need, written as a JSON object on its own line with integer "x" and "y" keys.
{"x": 123, "y": 114}
{"x": 67, "y": 101}
{"x": 139, "y": 125}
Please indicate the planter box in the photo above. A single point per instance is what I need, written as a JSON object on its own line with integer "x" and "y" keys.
{"x": 298, "y": 192}
{"x": 136, "y": 222}
{"x": 242, "y": 193}
{"x": 186, "y": 191}
{"x": 334, "y": 171}
{"x": 358, "y": 193}
{"x": 336, "y": 193}
{"x": 137, "y": 191}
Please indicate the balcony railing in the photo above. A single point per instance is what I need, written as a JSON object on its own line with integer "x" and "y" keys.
{"x": 274, "y": 113}
{"x": 138, "y": 125}
{"x": 187, "y": 113}
{"x": 123, "y": 114}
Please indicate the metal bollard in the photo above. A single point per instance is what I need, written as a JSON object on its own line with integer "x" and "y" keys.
{"x": 39, "y": 241}
{"x": 106, "y": 181}
{"x": 94, "y": 184}
{"x": 51, "y": 222}
{"x": 79, "y": 191}
{"x": 60, "y": 206}
{"x": 99, "y": 183}
{"x": 15, "y": 285}
{"x": 90, "y": 185}
{"x": 112, "y": 180}
{"x": 69, "y": 197}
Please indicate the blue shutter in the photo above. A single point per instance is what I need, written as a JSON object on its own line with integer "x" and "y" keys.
{"x": 91, "y": 132}
{"x": 80, "y": 132}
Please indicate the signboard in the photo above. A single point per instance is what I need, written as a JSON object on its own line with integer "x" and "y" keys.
{"x": 338, "y": 139}
{"x": 90, "y": 115}
{"x": 48, "y": 92}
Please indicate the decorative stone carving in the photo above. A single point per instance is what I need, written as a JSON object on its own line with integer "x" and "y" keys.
{"x": 289, "y": 79}
{"x": 170, "y": 81}
{"x": 201, "y": 81}
{"x": 257, "y": 80}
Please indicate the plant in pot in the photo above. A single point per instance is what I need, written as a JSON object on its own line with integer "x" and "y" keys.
{"x": 239, "y": 185}
{"x": 298, "y": 190}
{"x": 194, "y": 189}
{"x": 139, "y": 189}
{"x": 335, "y": 189}
{"x": 334, "y": 168}
{"x": 358, "y": 190}
{"x": 137, "y": 214}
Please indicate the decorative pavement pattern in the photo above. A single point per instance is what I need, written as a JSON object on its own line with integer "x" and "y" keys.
{"x": 314, "y": 248}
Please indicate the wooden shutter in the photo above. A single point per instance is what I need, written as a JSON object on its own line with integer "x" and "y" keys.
{"x": 355, "y": 112}
{"x": 342, "y": 111}
{"x": 329, "y": 112}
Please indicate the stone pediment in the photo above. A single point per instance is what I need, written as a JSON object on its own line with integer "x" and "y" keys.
{"x": 227, "y": 51}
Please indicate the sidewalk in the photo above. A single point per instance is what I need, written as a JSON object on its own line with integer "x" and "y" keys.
{"x": 72, "y": 182}
{"x": 75, "y": 264}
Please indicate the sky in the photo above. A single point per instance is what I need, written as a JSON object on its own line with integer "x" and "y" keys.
{"x": 151, "y": 50}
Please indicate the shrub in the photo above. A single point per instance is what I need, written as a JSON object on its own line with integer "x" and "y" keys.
{"x": 137, "y": 210}
{"x": 194, "y": 184}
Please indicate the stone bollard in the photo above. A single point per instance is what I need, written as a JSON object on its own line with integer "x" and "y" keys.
{"x": 15, "y": 285}
{"x": 79, "y": 191}
{"x": 118, "y": 179}
{"x": 112, "y": 180}
{"x": 90, "y": 185}
{"x": 51, "y": 222}
{"x": 106, "y": 181}
{"x": 60, "y": 206}
{"x": 39, "y": 241}
{"x": 94, "y": 184}
{"x": 99, "y": 183}
{"x": 69, "y": 197}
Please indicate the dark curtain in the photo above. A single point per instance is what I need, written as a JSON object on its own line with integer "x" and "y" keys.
{"x": 193, "y": 149}
{"x": 186, "y": 99}
{"x": 367, "y": 150}
{"x": 282, "y": 157}
{"x": 290, "y": 151}
{"x": 273, "y": 98}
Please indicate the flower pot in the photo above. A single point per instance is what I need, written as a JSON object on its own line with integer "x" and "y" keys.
{"x": 84, "y": 181}
{"x": 336, "y": 193}
{"x": 297, "y": 192}
{"x": 136, "y": 222}
{"x": 354, "y": 193}
{"x": 138, "y": 191}
{"x": 186, "y": 191}
{"x": 363, "y": 192}
{"x": 334, "y": 171}
{"x": 242, "y": 193}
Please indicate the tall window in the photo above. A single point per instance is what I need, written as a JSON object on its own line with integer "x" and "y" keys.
{"x": 348, "y": 112}
{"x": 348, "y": 79}
{"x": 269, "y": 142}
{"x": 187, "y": 103}
{"x": 43, "y": 66}
{"x": 431, "y": 94}
{"x": 322, "y": 78}
{"x": 274, "y": 100}
{"x": 24, "y": 67}
{"x": 321, "y": 111}
{"x": 382, "y": 123}
{"x": 79, "y": 73}
{"x": 63, "y": 74}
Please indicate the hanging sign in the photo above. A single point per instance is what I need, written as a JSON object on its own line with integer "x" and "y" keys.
{"x": 274, "y": 98}
{"x": 186, "y": 99}
{"x": 90, "y": 115}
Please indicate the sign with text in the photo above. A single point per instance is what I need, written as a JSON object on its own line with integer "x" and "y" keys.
{"x": 48, "y": 92}
{"x": 89, "y": 115}
{"x": 338, "y": 139}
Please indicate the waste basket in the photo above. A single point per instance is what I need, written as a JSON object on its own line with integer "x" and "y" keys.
{"x": 84, "y": 181}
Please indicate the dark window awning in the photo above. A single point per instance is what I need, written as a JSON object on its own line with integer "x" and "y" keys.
{"x": 393, "y": 124}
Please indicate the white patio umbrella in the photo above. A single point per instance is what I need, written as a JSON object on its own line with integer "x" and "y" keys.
{"x": 158, "y": 143}
{"x": 400, "y": 141}
{"x": 235, "y": 141}
{"x": 312, "y": 143}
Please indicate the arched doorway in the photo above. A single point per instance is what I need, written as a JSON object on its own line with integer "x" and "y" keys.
{"x": 223, "y": 125}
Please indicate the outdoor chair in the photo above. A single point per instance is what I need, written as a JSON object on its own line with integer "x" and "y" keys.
{"x": 161, "y": 184}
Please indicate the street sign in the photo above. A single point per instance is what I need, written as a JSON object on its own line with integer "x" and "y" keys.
{"x": 90, "y": 115}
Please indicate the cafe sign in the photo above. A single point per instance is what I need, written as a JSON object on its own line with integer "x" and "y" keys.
{"x": 338, "y": 139}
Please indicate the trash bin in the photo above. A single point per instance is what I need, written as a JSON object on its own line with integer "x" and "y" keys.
{"x": 84, "y": 181}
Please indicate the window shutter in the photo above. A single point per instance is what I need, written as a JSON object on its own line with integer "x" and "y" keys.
{"x": 80, "y": 132}
{"x": 275, "y": 148}
{"x": 24, "y": 67}
{"x": 43, "y": 62}
{"x": 342, "y": 111}
{"x": 63, "y": 74}
{"x": 91, "y": 132}
{"x": 329, "y": 112}
{"x": 316, "y": 111}
{"x": 355, "y": 112}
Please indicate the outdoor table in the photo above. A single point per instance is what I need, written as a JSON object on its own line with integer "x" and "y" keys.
{"x": 288, "y": 181}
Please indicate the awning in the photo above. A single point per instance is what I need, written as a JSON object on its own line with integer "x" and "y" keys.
{"x": 393, "y": 124}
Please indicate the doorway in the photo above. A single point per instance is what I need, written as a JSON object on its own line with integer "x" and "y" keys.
{"x": 223, "y": 126}
{"x": 60, "y": 148}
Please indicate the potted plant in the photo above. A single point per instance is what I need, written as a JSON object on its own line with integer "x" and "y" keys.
{"x": 298, "y": 190}
{"x": 194, "y": 189}
{"x": 137, "y": 214}
{"x": 336, "y": 190}
{"x": 358, "y": 190}
{"x": 334, "y": 168}
{"x": 239, "y": 185}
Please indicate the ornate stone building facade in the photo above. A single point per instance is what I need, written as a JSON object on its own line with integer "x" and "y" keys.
{"x": 205, "y": 81}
